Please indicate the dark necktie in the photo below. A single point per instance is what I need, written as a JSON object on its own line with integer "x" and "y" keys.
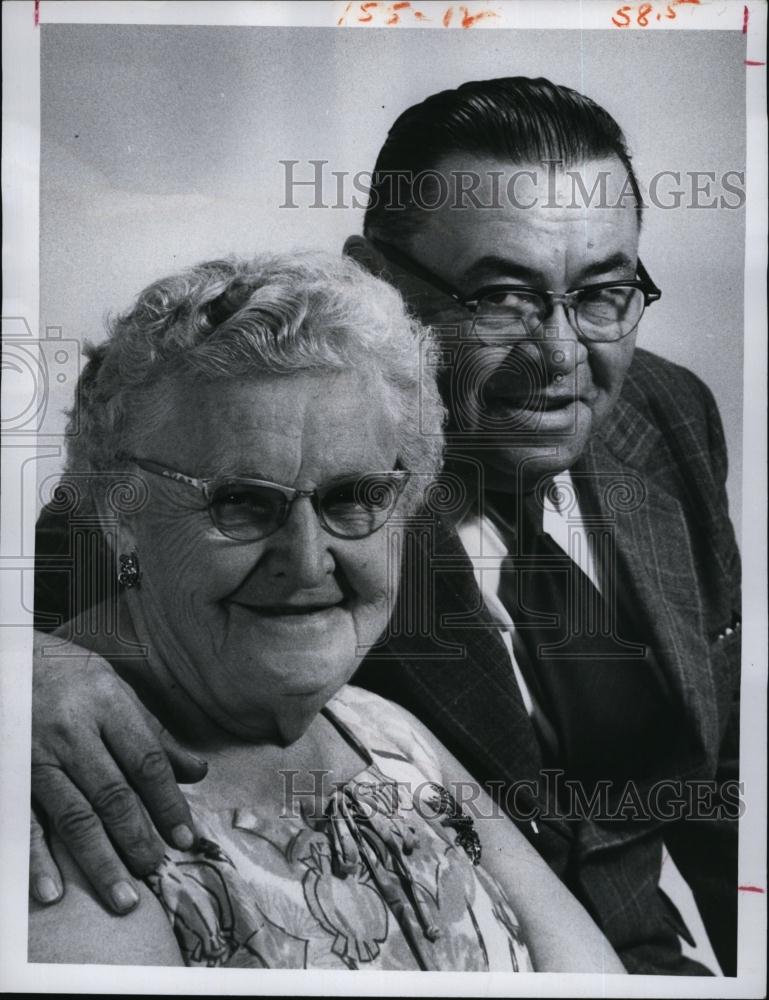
{"x": 582, "y": 654}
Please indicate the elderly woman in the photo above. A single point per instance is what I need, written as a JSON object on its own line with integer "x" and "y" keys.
{"x": 277, "y": 430}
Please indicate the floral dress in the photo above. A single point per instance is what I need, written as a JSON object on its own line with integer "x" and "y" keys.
{"x": 388, "y": 877}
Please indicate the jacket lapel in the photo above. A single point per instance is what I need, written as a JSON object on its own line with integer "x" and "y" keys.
{"x": 459, "y": 669}
{"x": 472, "y": 701}
{"x": 620, "y": 474}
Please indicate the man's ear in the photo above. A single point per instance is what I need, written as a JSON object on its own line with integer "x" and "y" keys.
{"x": 364, "y": 252}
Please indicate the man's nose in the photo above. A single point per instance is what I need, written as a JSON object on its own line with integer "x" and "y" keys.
{"x": 556, "y": 345}
{"x": 299, "y": 549}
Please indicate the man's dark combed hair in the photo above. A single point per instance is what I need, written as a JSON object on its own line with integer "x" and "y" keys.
{"x": 514, "y": 119}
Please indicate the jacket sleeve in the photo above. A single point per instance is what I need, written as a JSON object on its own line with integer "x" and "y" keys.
{"x": 74, "y": 567}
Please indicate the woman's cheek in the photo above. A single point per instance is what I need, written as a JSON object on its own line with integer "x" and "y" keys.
{"x": 374, "y": 578}
{"x": 190, "y": 557}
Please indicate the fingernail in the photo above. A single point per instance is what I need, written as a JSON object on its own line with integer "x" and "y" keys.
{"x": 200, "y": 761}
{"x": 182, "y": 837}
{"x": 46, "y": 890}
{"x": 124, "y": 896}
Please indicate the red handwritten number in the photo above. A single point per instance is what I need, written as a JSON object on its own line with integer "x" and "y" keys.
{"x": 375, "y": 11}
{"x": 671, "y": 14}
{"x": 643, "y": 14}
{"x": 622, "y": 12}
{"x": 341, "y": 20}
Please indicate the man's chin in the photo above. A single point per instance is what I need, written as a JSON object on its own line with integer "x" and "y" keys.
{"x": 518, "y": 469}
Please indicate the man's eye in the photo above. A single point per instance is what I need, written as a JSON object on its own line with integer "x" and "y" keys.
{"x": 609, "y": 302}
{"x": 614, "y": 293}
{"x": 511, "y": 298}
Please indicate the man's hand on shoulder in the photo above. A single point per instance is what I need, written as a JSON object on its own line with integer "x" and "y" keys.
{"x": 98, "y": 760}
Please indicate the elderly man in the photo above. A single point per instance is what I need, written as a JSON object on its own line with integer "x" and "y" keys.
{"x": 580, "y": 652}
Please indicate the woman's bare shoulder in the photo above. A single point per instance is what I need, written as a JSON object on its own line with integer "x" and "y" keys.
{"x": 79, "y": 930}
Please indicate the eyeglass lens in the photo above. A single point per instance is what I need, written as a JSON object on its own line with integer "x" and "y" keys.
{"x": 605, "y": 314}
{"x": 351, "y": 509}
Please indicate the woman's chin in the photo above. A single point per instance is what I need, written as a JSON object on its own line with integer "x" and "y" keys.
{"x": 285, "y": 716}
{"x": 295, "y": 716}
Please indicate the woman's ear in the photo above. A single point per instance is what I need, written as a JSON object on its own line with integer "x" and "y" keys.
{"x": 125, "y": 536}
{"x": 117, "y": 526}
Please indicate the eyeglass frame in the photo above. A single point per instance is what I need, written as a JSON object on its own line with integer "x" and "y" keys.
{"x": 643, "y": 283}
{"x": 208, "y": 487}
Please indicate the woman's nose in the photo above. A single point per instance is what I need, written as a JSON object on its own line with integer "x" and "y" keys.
{"x": 299, "y": 549}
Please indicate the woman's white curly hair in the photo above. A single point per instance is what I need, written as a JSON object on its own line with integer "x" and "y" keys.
{"x": 235, "y": 318}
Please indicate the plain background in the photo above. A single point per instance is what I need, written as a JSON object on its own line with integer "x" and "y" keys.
{"x": 161, "y": 146}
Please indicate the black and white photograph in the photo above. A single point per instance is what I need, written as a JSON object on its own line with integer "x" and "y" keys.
{"x": 384, "y": 577}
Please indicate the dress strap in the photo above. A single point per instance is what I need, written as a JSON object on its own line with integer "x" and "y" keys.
{"x": 347, "y": 735}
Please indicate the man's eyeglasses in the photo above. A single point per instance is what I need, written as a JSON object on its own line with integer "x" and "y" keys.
{"x": 249, "y": 510}
{"x": 602, "y": 312}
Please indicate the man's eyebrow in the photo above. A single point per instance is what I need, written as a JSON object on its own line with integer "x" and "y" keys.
{"x": 494, "y": 264}
{"x": 503, "y": 267}
{"x": 616, "y": 262}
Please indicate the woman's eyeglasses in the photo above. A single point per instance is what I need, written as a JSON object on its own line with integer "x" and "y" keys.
{"x": 249, "y": 510}
{"x": 601, "y": 313}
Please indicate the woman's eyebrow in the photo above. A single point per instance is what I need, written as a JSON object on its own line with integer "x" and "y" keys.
{"x": 229, "y": 471}
{"x": 353, "y": 475}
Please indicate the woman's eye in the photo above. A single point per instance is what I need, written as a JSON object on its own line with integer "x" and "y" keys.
{"x": 235, "y": 500}
{"x": 344, "y": 495}
{"x": 245, "y": 501}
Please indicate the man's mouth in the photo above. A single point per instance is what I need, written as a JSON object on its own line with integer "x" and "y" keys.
{"x": 530, "y": 396}
{"x": 535, "y": 402}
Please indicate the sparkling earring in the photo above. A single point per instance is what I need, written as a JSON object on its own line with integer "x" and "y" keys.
{"x": 129, "y": 574}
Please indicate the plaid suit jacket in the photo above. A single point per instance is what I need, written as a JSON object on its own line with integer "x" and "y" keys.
{"x": 663, "y": 445}
{"x": 657, "y": 472}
